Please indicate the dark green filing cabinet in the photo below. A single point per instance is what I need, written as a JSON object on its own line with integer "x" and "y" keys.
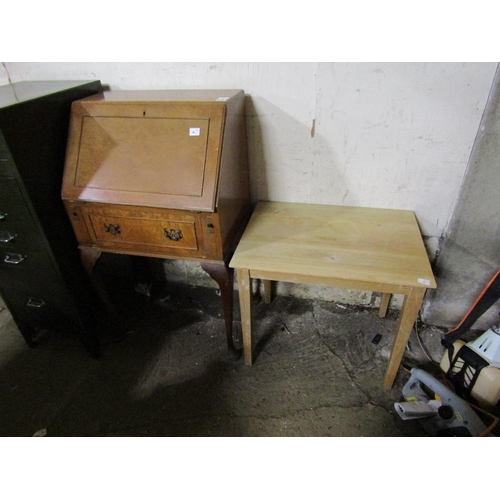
{"x": 41, "y": 279}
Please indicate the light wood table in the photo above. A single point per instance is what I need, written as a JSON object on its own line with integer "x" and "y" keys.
{"x": 378, "y": 250}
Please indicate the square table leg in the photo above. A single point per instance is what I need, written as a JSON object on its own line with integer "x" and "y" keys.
{"x": 384, "y": 304}
{"x": 267, "y": 291}
{"x": 408, "y": 315}
{"x": 245, "y": 295}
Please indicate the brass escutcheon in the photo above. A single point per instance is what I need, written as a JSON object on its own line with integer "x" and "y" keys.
{"x": 112, "y": 228}
{"x": 173, "y": 234}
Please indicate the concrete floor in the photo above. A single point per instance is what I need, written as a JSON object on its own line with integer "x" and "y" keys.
{"x": 165, "y": 371}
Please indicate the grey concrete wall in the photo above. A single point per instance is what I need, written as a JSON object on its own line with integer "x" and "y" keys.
{"x": 469, "y": 255}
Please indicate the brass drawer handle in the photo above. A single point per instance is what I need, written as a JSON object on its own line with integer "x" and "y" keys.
{"x": 112, "y": 228}
{"x": 37, "y": 303}
{"x": 13, "y": 258}
{"x": 173, "y": 234}
{"x": 6, "y": 236}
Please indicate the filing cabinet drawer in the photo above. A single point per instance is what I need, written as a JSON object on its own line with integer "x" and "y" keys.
{"x": 27, "y": 268}
{"x": 39, "y": 313}
{"x": 7, "y": 166}
{"x": 38, "y": 307}
{"x": 17, "y": 226}
{"x": 6, "y": 163}
{"x": 34, "y": 289}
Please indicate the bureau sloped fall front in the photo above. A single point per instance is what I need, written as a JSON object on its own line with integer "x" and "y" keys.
{"x": 159, "y": 173}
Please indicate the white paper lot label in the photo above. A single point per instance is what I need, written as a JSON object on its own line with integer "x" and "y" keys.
{"x": 423, "y": 281}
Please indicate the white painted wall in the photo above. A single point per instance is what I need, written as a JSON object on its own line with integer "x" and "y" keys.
{"x": 389, "y": 135}
{"x": 4, "y": 76}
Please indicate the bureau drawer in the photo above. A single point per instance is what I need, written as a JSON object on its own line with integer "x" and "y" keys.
{"x": 146, "y": 231}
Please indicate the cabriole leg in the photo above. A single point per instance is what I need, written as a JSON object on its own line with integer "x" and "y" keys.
{"x": 223, "y": 275}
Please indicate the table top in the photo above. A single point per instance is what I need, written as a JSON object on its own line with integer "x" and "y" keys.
{"x": 327, "y": 241}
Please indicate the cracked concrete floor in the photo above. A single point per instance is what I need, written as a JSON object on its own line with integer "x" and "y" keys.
{"x": 165, "y": 371}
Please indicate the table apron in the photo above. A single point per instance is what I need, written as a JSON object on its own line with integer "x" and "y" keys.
{"x": 334, "y": 282}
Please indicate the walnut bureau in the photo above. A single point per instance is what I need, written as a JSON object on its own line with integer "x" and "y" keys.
{"x": 160, "y": 173}
{"x": 371, "y": 249}
{"x": 42, "y": 281}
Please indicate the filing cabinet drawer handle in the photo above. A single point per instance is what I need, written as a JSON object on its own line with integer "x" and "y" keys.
{"x": 14, "y": 258}
{"x": 173, "y": 234}
{"x": 2, "y": 215}
{"x": 37, "y": 303}
{"x": 112, "y": 228}
{"x": 6, "y": 236}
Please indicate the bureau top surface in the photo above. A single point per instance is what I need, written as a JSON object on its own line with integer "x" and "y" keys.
{"x": 16, "y": 93}
{"x": 345, "y": 243}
